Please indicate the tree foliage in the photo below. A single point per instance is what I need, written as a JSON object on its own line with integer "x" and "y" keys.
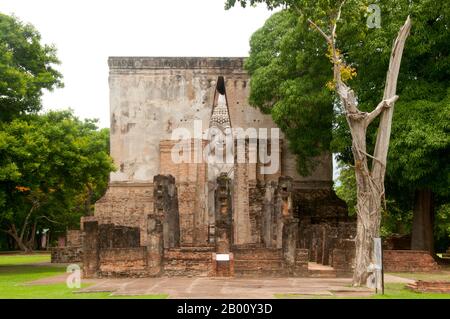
{"x": 52, "y": 168}
{"x": 288, "y": 75}
{"x": 26, "y": 68}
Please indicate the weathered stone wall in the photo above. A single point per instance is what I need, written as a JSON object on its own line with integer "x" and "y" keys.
{"x": 253, "y": 261}
{"x": 165, "y": 198}
{"x": 117, "y": 236}
{"x": 126, "y": 204}
{"x": 71, "y": 251}
{"x": 123, "y": 262}
{"x": 258, "y": 222}
{"x": 66, "y": 254}
{"x": 111, "y": 250}
{"x": 191, "y": 180}
{"x": 343, "y": 257}
{"x": 325, "y": 227}
{"x": 223, "y": 211}
{"x": 408, "y": 261}
{"x": 150, "y": 97}
{"x": 91, "y": 249}
{"x": 73, "y": 238}
{"x": 188, "y": 261}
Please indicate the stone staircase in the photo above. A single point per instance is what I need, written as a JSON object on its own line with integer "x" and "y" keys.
{"x": 316, "y": 270}
{"x": 259, "y": 262}
{"x": 188, "y": 261}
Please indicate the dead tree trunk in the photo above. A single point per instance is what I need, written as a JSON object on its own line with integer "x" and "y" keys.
{"x": 369, "y": 183}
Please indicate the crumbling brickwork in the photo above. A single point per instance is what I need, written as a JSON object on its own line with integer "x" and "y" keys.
{"x": 188, "y": 261}
{"x": 126, "y": 205}
{"x": 162, "y": 217}
{"x": 430, "y": 286}
{"x": 166, "y": 209}
{"x": 73, "y": 238}
{"x": 408, "y": 261}
{"x": 71, "y": 251}
{"x": 66, "y": 255}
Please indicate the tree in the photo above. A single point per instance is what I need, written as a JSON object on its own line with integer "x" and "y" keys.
{"x": 417, "y": 174}
{"x": 287, "y": 81}
{"x": 26, "y": 68}
{"x": 52, "y": 168}
{"x": 370, "y": 182}
{"x": 419, "y": 161}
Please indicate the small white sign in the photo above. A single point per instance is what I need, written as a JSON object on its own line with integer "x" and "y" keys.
{"x": 222, "y": 257}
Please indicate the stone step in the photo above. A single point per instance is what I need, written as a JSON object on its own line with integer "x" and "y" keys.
{"x": 187, "y": 255}
{"x": 240, "y": 264}
{"x": 258, "y": 254}
{"x": 187, "y": 267}
{"x": 322, "y": 273}
{"x": 193, "y": 248}
{"x": 270, "y": 268}
{"x": 261, "y": 273}
{"x": 136, "y": 273}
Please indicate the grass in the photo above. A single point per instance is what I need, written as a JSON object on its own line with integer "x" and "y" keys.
{"x": 441, "y": 275}
{"x": 16, "y": 271}
{"x": 399, "y": 291}
{"x": 24, "y": 259}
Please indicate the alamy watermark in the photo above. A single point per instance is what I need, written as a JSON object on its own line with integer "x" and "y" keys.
{"x": 228, "y": 146}
{"x": 74, "y": 279}
{"x": 374, "y": 16}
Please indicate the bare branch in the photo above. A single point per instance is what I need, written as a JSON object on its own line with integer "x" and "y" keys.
{"x": 50, "y": 220}
{"x": 372, "y": 157}
{"x": 327, "y": 37}
{"x": 384, "y": 128}
{"x": 380, "y": 107}
{"x": 338, "y": 17}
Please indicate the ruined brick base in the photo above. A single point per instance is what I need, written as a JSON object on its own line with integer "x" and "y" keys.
{"x": 431, "y": 286}
{"x": 66, "y": 255}
{"x": 408, "y": 261}
{"x": 188, "y": 261}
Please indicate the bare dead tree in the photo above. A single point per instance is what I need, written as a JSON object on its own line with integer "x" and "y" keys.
{"x": 369, "y": 182}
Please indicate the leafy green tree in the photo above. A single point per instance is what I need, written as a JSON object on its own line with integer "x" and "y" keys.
{"x": 52, "y": 168}
{"x": 26, "y": 68}
{"x": 288, "y": 75}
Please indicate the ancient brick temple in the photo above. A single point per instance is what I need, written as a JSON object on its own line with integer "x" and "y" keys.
{"x": 166, "y": 217}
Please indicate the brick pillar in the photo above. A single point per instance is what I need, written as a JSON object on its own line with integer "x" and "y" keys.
{"x": 223, "y": 214}
{"x": 269, "y": 215}
{"x": 91, "y": 249}
{"x": 283, "y": 207}
{"x": 290, "y": 238}
{"x": 166, "y": 209}
{"x": 154, "y": 246}
{"x": 223, "y": 231}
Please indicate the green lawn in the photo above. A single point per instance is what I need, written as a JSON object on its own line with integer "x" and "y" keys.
{"x": 17, "y": 270}
{"x": 430, "y": 276}
{"x": 24, "y": 259}
{"x": 398, "y": 291}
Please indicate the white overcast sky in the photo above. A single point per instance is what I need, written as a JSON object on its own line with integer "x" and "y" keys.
{"x": 86, "y": 33}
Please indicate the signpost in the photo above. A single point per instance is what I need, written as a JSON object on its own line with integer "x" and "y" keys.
{"x": 379, "y": 271}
